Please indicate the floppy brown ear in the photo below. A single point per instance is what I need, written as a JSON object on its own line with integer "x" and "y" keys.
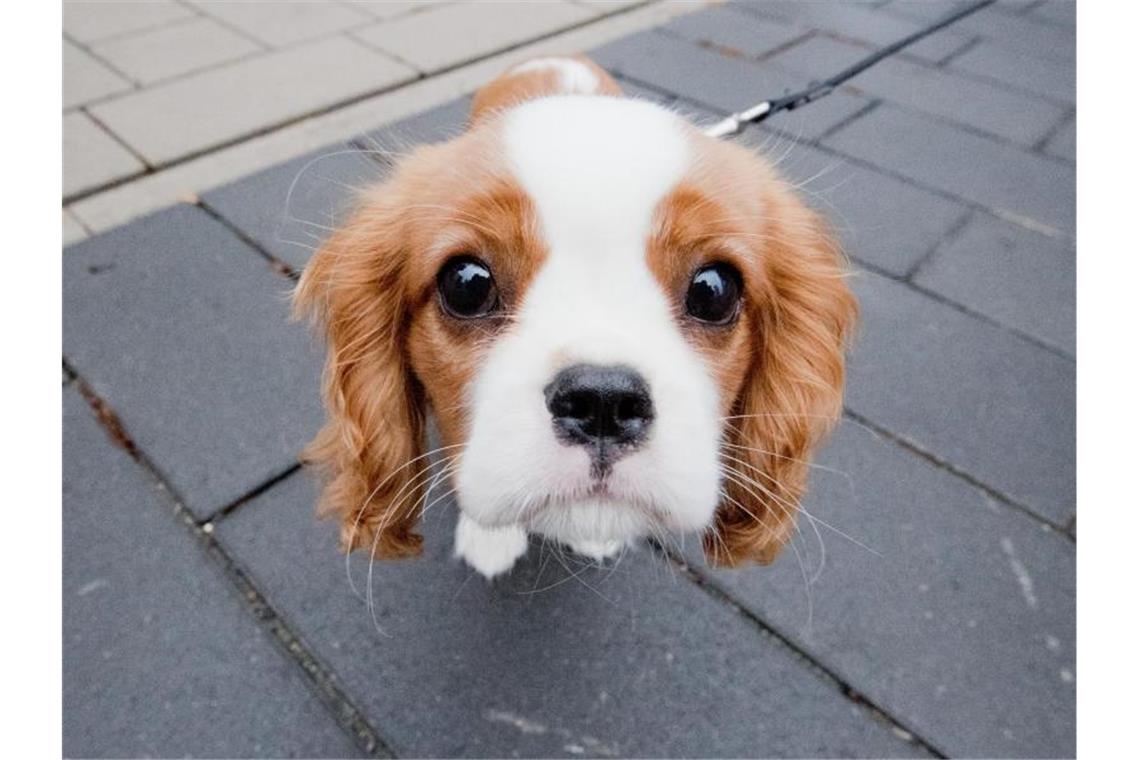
{"x": 804, "y": 314}
{"x": 353, "y": 288}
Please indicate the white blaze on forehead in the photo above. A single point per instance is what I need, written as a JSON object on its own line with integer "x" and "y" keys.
{"x": 595, "y": 168}
{"x": 573, "y": 76}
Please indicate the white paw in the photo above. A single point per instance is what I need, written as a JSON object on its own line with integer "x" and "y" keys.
{"x": 491, "y": 551}
{"x": 597, "y": 550}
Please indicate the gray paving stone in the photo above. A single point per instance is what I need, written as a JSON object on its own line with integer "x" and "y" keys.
{"x": 1024, "y": 119}
{"x": 635, "y": 90}
{"x": 974, "y": 168}
{"x": 733, "y": 34}
{"x": 975, "y": 395}
{"x": 290, "y": 209}
{"x": 1016, "y": 276}
{"x": 881, "y": 220}
{"x": 861, "y": 23}
{"x": 1022, "y": 33}
{"x": 209, "y": 108}
{"x": 1055, "y": 79}
{"x": 433, "y": 125}
{"x": 184, "y": 330}
{"x": 959, "y": 616}
{"x": 931, "y": 10}
{"x": 1063, "y": 143}
{"x": 449, "y": 35}
{"x": 719, "y": 82}
{"x": 160, "y": 656}
{"x": 924, "y": 10}
{"x": 1063, "y": 12}
{"x": 85, "y": 78}
{"x": 628, "y": 662}
{"x": 168, "y": 51}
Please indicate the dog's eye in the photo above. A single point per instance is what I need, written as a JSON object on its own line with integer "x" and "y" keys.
{"x": 714, "y": 294}
{"x": 466, "y": 288}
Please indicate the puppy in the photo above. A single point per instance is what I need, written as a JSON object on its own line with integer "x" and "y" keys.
{"x": 621, "y": 328}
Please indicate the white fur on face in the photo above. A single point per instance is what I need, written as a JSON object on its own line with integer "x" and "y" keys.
{"x": 595, "y": 169}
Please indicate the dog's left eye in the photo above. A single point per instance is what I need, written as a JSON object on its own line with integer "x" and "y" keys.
{"x": 714, "y": 294}
{"x": 466, "y": 288}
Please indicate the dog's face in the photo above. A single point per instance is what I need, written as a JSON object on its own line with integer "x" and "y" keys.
{"x": 621, "y": 327}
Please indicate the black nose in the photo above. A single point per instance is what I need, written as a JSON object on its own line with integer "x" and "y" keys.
{"x": 606, "y": 408}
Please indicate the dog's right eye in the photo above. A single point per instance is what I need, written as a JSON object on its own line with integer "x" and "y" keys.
{"x": 466, "y": 288}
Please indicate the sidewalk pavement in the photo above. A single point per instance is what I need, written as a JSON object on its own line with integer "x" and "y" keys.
{"x": 164, "y": 99}
{"x": 207, "y": 613}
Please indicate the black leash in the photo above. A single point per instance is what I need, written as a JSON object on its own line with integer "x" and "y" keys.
{"x": 817, "y": 90}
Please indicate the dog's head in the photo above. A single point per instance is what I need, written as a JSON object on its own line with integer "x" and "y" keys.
{"x": 620, "y": 326}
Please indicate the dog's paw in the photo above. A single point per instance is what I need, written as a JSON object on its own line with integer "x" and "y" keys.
{"x": 599, "y": 551}
{"x": 491, "y": 551}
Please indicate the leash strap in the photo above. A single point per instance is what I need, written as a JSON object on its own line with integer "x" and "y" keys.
{"x": 761, "y": 111}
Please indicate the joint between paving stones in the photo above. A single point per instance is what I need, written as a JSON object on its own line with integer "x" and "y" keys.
{"x": 715, "y": 591}
{"x": 223, "y": 512}
{"x": 279, "y": 266}
{"x": 321, "y": 678}
{"x": 998, "y": 496}
{"x": 344, "y": 103}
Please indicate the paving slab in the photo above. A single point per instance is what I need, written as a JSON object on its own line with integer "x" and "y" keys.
{"x": 630, "y": 661}
{"x": 607, "y": 5}
{"x": 1063, "y": 143}
{"x": 279, "y": 24}
{"x": 93, "y": 20}
{"x": 1049, "y": 78}
{"x": 1021, "y": 33}
{"x": 1063, "y": 12}
{"x": 91, "y": 157}
{"x": 995, "y": 109}
{"x": 861, "y": 22}
{"x": 971, "y": 393}
{"x": 881, "y": 220}
{"x": 1016, "y": 276}
{"x": 169, "y": 51}
{"x": 161, "y": 658}
{"x": 976, "y": 169}
{"x": 448, "y": 35}
{"x": 73, "y": 231}
{"x": 289, "y": 209}
{"x": 213, "y": 107}
{"x": 184, "y": 330}
{"x": 437, "y": 124}
{"x": 734, "y": 34}
{"x": 954, "y": 614}
{"x": 85, "y": 78}
{"x": 721, "y": 83}
{"x": 386, "y": 9}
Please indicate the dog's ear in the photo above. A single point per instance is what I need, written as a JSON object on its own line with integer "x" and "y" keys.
{"x": 353, "y": 288}
{"x": 538, "y": 78}
{"x": 793, "y": 394}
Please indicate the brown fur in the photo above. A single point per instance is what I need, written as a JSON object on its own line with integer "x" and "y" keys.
{"x": 392, "y": 352}
{"x": 781, "y": 368}
{"x": 510, "y": 89}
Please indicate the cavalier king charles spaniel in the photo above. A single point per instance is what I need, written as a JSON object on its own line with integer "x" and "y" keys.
{"x": 620, "y": 326}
